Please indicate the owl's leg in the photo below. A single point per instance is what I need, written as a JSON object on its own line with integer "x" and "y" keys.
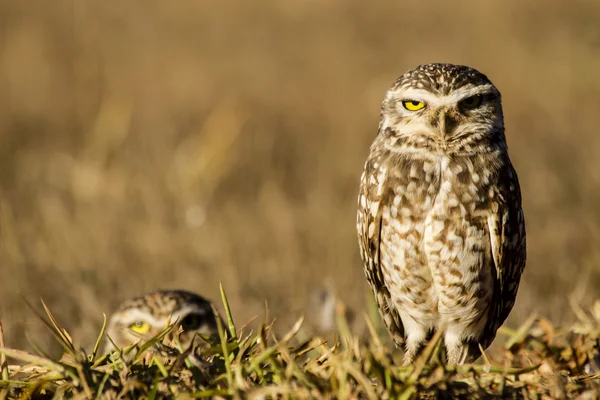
{"x": 456, "y": 349}
{"x": 414, "y": 344}
{"x": 416, "y": 336}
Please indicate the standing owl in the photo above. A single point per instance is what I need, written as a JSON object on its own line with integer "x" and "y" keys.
{"x": 145, "y": 316}
{"x": 440, "y": 225}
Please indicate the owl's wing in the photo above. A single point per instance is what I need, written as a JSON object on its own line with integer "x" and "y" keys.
{"x": 369, "y": 236}
{"x": 508, "y": 243}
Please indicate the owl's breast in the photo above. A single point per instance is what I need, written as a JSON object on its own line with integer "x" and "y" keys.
{"x": 434, "y": 243}
{"x": 456, "y": 243}
{"x": 455, "y": 187}
{"x": 412, "y": 186}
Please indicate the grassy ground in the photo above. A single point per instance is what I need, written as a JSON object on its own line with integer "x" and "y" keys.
{"x": 147, "y": 146}
{"x": 537, "y": 361}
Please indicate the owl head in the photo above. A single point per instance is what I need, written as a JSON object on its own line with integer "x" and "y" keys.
{"x": 443, "y": 107}
{"x": 145, "y": 316}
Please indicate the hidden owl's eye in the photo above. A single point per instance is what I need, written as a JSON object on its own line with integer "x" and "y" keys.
{"x": 191, "y": 322}
{"x": 413, "y": 105}
{"x": 471, "y": 102}
{"x": 140, "y": 327}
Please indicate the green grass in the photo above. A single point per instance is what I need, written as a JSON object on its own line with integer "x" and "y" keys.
{"x": 537, "y": 361}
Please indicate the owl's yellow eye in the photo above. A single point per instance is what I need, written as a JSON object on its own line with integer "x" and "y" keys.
{"x": 413, "y": 105}
{"x": 140, "y": 327}
{"x": 471, "y": 102}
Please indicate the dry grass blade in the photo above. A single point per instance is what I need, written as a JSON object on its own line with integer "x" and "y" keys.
{"x": 363, "y": 381}
{"x": 308, "y": 346}
{"x": 342, "y": 324}
{"x": 294, "y": 331}
{"x": 54, "y": 328}
{"x": 33, "y": 359}
{"x": 484, "y": 356}
{"x": 372, "y": 332}
{"x": 65, "y": 337}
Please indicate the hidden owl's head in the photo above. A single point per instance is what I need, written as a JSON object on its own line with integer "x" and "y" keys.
{"x": 443, "y": 107}
{"x": 145, "y": 316}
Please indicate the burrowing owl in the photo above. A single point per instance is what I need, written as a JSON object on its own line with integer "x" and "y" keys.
{"x": 440, "y": 224}
{"x": 145, "y": 316}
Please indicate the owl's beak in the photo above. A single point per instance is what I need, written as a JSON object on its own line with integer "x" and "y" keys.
{"x": 447, "y": 121}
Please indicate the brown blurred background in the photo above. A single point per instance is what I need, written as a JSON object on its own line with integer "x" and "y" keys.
{"x": 154, "y": 144}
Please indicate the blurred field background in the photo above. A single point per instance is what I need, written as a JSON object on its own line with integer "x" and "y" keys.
{"x": 154, "y": 144}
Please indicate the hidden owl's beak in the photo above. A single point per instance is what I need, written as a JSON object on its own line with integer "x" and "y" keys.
{"x": 447, "y": 121}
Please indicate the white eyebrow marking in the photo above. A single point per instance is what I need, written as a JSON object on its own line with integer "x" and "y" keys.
{"x": 437, "y": 101}
{"x": 132, "y": 316}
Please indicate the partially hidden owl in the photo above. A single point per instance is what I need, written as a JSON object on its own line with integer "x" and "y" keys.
{"x": 143, "y": 317}
{"x": 440, "y": 225}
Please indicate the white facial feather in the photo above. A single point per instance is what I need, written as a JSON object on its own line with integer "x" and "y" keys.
{"x": 435, "y": 101}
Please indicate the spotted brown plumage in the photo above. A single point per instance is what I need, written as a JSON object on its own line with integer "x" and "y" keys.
{"x": 440, "y": 225}
{"x": 144, "y": 316}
